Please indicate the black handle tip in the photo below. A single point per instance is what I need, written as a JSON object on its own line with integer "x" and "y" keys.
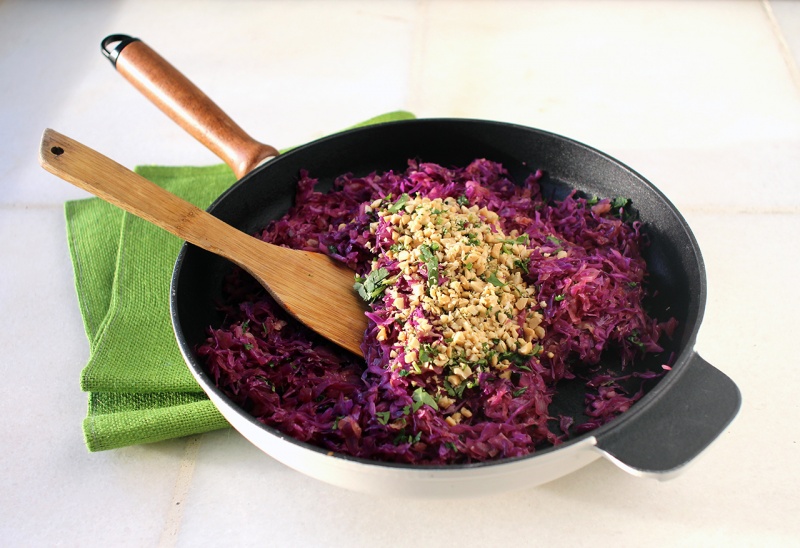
{"x": 121, "y": 40}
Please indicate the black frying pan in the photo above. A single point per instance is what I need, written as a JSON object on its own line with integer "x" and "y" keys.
{"x": 683, "y": 412}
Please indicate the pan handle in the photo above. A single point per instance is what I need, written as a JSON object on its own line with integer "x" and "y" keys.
{"x": 182, "y": 101}
{"x": 677, "y": 424}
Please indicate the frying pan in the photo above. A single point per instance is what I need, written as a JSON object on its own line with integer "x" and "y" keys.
{"x": 679, "y": 416}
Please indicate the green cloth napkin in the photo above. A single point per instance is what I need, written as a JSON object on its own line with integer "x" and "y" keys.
{"x": 140, "y": 389}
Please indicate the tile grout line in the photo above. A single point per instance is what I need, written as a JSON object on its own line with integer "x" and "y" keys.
{"x": 783, "y": 45}
{"x": 742, "y": 210}
{"x": 418, "y": 39}
{"x": 18, "y": 206}
{"x": 172, "y": 525}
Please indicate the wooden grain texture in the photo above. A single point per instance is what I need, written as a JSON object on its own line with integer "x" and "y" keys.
{"x": 189, "y": 107}
{"x": 312, "y": 287}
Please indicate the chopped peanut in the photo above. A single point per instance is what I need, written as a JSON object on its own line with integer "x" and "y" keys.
{"x": 462, "y": 302}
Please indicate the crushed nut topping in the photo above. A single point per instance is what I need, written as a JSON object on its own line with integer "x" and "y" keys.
{"x": 455, "y": 289}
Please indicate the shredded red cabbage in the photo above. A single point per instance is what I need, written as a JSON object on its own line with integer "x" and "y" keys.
{"x": 290, "y": 379}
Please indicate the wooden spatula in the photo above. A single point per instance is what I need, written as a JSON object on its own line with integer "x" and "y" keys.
{"x": 312, "y": 287}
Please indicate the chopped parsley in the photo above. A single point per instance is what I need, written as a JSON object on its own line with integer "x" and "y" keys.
{"x": 431, "y": 263}
{"x": 619, "y": 202}
{"x": 455, "y": 391}
{"x": 399, "y": 204}
{"x": 634, "y": 338}
{"x": 524, "y": 240}
{"x": 427, "y": 353}
{"x": 421, "y": 397}
{"x": 517, "y": 359}
{"x": 554, "y": 240}
{"x": 373, "y": 285}
{"x": 492, "y": 279}
{"x": 522, "y": 264}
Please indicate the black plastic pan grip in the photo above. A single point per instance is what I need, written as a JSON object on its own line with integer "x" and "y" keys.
{"x": 677, "y": 424}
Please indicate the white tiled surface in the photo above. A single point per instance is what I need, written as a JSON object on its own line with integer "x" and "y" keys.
{"x": 703, "y": 98}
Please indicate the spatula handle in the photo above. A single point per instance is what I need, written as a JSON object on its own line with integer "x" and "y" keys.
{"x": 185, "y": 103}
{"x": 310, "y": 286}
{"x": 103, "y": 177}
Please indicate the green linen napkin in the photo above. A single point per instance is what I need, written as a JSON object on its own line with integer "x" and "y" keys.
{"x": 140, "y": 390}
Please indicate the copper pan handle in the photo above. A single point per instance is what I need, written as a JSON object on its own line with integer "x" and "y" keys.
{"x": 185, "y": 103}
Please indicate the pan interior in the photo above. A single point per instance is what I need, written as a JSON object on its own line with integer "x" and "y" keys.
{"x": 677, "y": 279}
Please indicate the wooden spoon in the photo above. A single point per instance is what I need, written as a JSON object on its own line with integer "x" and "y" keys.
{"x": 312, "y": 287}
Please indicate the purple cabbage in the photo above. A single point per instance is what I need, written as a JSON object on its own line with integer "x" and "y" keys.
{"x": 586, "y": 264}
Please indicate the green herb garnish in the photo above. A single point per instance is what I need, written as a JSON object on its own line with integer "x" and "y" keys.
{"x": 619, "y": 202}
{"x": 524, "y": 239}
{"x": 473, "y": 240}
{"x": 517, "y": 359}
{"x": 634, "y": 338}
{"x": 431, "y": 263}
{"x": 553, "y": 240}
{"x": 373, "y": 285}
{"x": 399, "y": 204}
{"x": 421, "y": 398}
{"x": 492, "y": 279}
{"x": 427, "y": 353}
{"x": 522, "y": 264}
